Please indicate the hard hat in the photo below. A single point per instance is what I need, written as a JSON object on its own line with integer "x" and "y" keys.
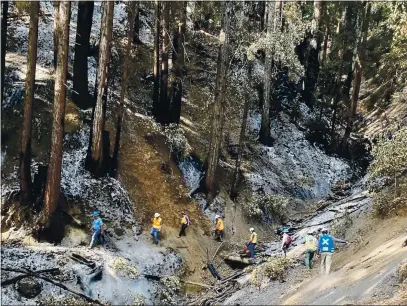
{"x": 324, "y": 230}
{"x": 310, "y": 232}
{"x": 95, "y": 214}
{"x": 252, "y": 229}
{"x": 156, "y": 215}
{"x": 285, "y": 230}
{"x": 217, "y": 216}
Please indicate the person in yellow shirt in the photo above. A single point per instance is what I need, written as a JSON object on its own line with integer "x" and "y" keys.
{"x": 219, "y": 229}
{"x": 251, "y": 244}
{"x": 185, "y": 221}
{"x": 311, "y": 246}
{"x": 157, "y": 223}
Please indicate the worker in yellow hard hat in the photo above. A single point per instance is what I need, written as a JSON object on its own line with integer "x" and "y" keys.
{"x": 219, "y": 229}
{"x": 157, "y": 223}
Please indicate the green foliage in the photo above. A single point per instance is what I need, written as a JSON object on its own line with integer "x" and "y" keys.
{"x": 273, "y": 207}
{"x": 171, "y": 288}
{"x": 390, "y": 156}
{"x": 273, "y": 269}
{"x": 23, "y": 7}
{"x": 122, "y": 267}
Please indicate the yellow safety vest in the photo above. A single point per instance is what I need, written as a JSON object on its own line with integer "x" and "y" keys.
{"x": 184, "y": 220}
{"x": 253, "y": 237}
{"x": 219, "y": 224}
{"x": 310, "y": 243}
{"x": 157, "y": 223}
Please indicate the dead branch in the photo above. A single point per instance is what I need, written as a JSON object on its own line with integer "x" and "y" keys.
{"x": 19, "y": 277}
{"x": 217, "y": 250}
{"x": 58, "y": 284}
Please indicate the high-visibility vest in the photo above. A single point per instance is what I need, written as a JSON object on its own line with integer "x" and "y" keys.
{"x": 310, "y": 243}
{"x": 253, "y": 237}
{"x": 157, "y": 223}
{"x": 219, "y": 224}
{"x": 184, "y": 220}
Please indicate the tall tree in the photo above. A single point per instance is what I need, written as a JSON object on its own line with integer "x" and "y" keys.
{"x": 25, "y": 153}
{"x": 3, "y": 43}
{"x": 80, "y": 66}
{"x": 56, "y": 22}
{"x": 96, "y": 158}
{"x": 156, "y": 90}
{"x": 164, "y": 102}
{"x": 264, "y": 134}
{"x": 136, "y": 30}
{"x": 130, "y": 35}
{"x": 218, "y": 116}
{"x": 236, "y": 172}
{"x": 53, "y": 185}
{"x": 178, "y": 61}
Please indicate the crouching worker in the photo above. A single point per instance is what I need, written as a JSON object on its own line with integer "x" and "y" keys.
{"x": 251, "y": 244}
{"x": 219, "y": 229}
{"x": 157, "y": 223}
{"x": 98, "y": 230}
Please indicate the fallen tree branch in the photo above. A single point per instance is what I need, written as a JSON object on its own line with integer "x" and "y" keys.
{"x": 58, "y": 284}
{"x": 217, "y": 250}
{"x": 197, "y": 284}
{"x": 19, "y": 277}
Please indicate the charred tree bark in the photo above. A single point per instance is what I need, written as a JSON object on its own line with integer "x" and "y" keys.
{"x": 96, "y": 158}
{"x": 25, "y": 153}
{"x": 236, "y": 173}
{"x": 178, "y": 63}
{"x": 136, "y": 30}
{"x": 156, "y": 89}
{"x": 80, "y": 93}
{"x": 53, "y": 185}
{"x": 130, "y": 35}
{"x": 3, "y": 44}
{"x": 262, "y": 13}
{"x": 218, "y": 116}
{"x": 265, "y": 135}
{"x": 164, "y": 102}
{"x": 354, "y": 101}
{"x": 56, "y": 22}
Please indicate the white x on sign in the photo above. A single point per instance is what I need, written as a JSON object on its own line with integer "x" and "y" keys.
{"x": 325, "y": 241}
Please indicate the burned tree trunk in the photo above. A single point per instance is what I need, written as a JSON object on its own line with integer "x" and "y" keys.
{"x": 265, "y": 134}
{"x": 25, "y": 153}
{"x": 80, "y": 93}
{"x": 53, "y": 185}
{"x": 164, "y": 102}
{"x": 178, "y": 64}
{"x": 56, "y": 22}
{"x": 130, "y": 35}
{"x": 236, "y": 172}
{"x": 156, "y": 89}
{"x": 96, "y": 159}
{"x": 219, "y": 103}
{"x": 3, "y": 44}
{"x": 136, "y": 30}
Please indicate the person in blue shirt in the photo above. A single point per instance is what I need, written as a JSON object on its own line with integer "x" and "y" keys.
{"x": 98, "y": 230}
{"x": 326, "y": 247}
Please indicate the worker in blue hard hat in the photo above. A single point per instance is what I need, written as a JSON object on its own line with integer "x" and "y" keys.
{"x": 98, "y": 230}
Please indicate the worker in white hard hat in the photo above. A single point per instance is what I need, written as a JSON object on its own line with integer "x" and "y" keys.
{"x": 219, "y": 228}
{"x": 326, "y": 248}
{"x": 311, "y": 247}
{"x": 251, "y": 244}
{"x": 157, "y": 223}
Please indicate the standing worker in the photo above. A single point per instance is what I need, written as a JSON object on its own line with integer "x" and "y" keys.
{"x": 251, "y": 244}
{"x": 98, "y": 230}
{"x": 185, "y": 221}
{"x": 311, "y": 246}
{"x": 286, "y": 241}
{"x": 157, "y": 223}
{"x": 219, "y": 229}
{"x": 326, "y": 247}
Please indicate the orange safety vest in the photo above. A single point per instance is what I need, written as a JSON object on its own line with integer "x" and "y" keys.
{"x": 219, "y": 225}
{"x": 157, "y": 223}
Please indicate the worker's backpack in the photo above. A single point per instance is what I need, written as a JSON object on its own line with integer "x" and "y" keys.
{"x": 188, "y": 220}
{"x": 288, "y": 241}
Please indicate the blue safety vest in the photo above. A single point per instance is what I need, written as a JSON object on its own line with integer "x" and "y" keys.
{"x": 326, "y": 244}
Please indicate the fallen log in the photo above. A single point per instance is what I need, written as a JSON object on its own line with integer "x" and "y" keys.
{"x": 245, "y": 261}
{"x": 197, "y": 284}
{"x": 28, "y": 272}
{"x": 19, "y": 277}
{"x": 231, "y": 277}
